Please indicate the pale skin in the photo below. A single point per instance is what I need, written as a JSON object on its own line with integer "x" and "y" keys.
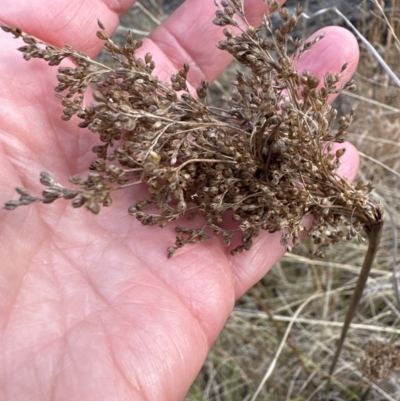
{"x": 90, "y": 307}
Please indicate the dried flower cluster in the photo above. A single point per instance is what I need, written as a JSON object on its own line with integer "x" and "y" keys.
{"x": 265, "y": 161}
{"x": 381, "y": 361}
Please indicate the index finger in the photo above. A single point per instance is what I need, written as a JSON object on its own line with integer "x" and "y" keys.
{"x": 61, "y": 22}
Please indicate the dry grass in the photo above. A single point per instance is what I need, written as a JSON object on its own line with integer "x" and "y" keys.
{"x": 298, "y": 307}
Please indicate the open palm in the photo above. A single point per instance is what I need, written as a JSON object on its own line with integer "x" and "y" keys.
{"x": 90, "y": 308}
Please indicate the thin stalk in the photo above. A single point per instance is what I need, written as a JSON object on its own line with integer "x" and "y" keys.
{"x": 374, "y": 237}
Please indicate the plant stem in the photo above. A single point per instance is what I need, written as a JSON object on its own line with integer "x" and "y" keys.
{"x": 374, "y": 237}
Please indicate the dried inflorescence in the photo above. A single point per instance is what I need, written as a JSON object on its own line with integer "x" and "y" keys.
{"x": 265, "y": 161}
{"x": 381, "y": 361}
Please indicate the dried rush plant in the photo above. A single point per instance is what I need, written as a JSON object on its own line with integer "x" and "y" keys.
{"x": 265, "y": 161}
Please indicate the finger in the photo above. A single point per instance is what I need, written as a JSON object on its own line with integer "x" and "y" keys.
{"x": 350, "y": 160}
{"x": 337, "y": 48}
{"x": 189, "y": 36}
{"x": 61, "y": 22}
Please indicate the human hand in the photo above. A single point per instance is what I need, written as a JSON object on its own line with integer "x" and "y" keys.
{"x": 90, "y": 308}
